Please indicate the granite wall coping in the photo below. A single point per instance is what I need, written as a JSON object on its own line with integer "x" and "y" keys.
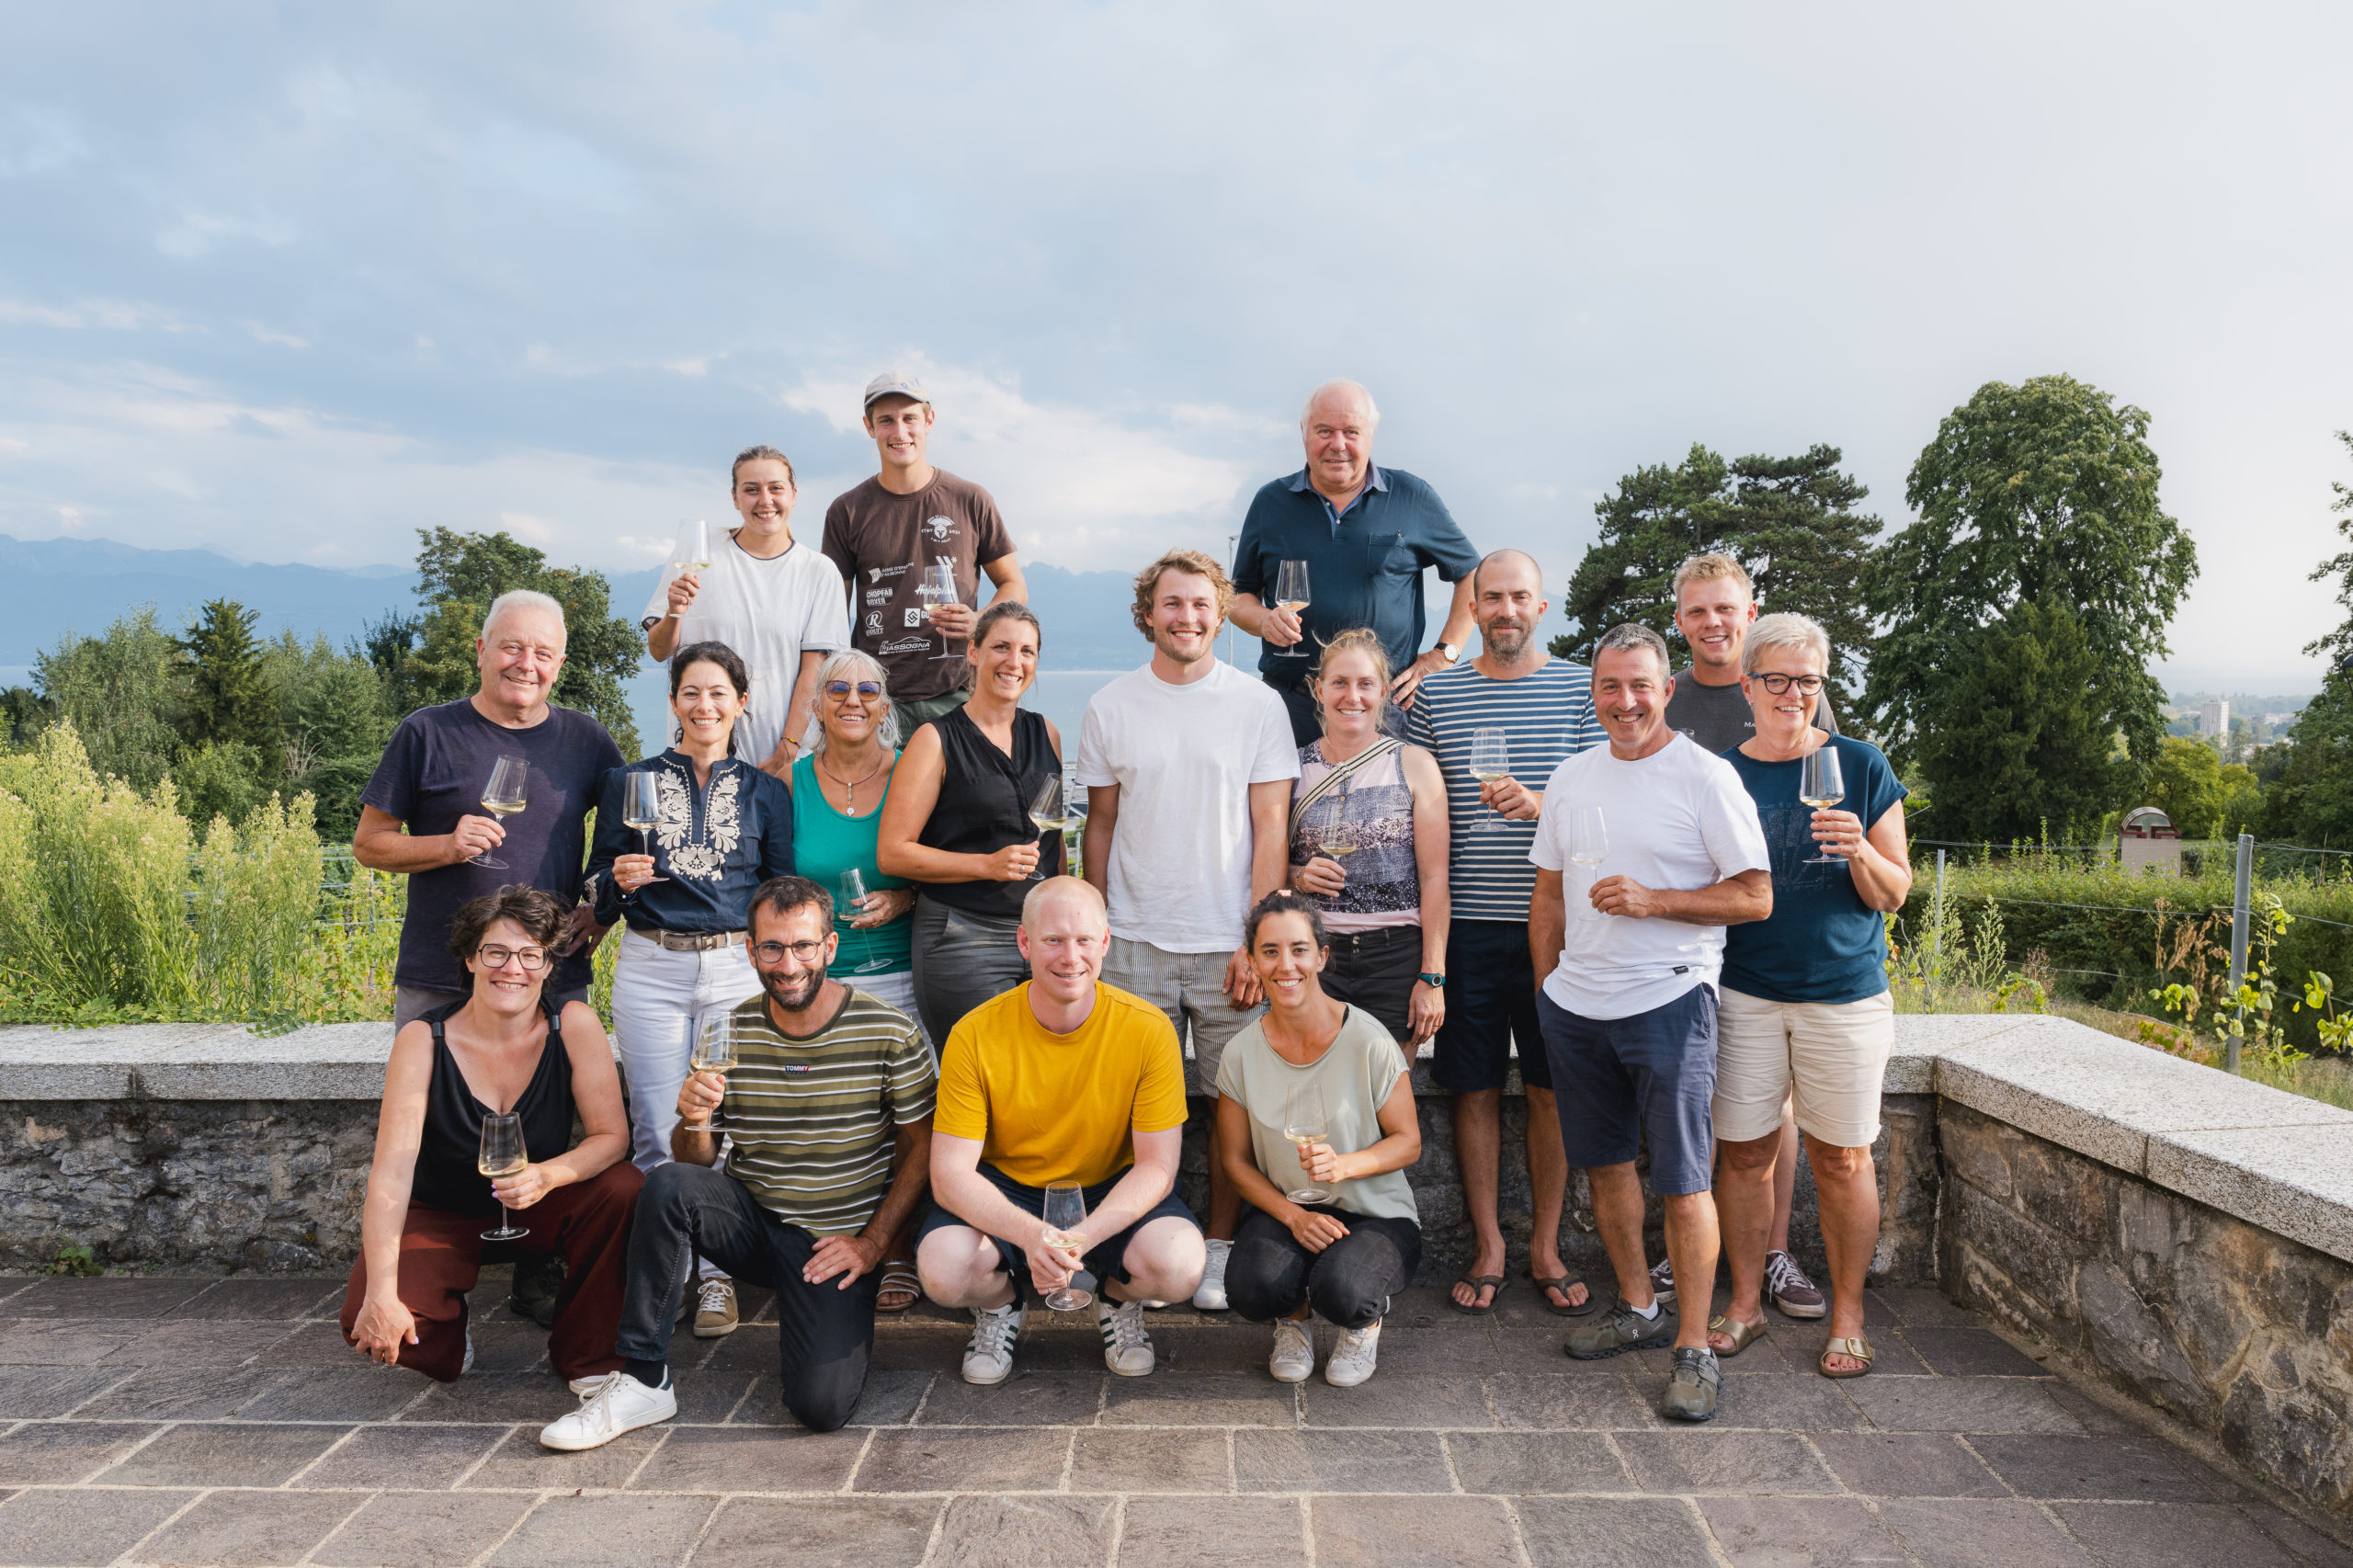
{"x": 2273, "y": 1159}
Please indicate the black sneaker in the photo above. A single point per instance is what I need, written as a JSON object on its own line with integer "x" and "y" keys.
{"x": 1621, "y": 1330}
{"x": 537, "y": 1277}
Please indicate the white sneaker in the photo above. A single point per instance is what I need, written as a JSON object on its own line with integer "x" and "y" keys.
{"x": 468, "y": 1364}
{"x": 1352, "y": 1359}
{"x": 620, "y": 1405}
{"x": 988, "y": 1355}
{"x": 1127, "y": 1349}
{"x": 1293, "y": 1356}
{"x": 1210, "y": 1297}
{"x": 586, "y": 1386}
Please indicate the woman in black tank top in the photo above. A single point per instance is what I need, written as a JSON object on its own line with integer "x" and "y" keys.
{"x": 957, "y": 824}
{"x": 502, "y": 1050}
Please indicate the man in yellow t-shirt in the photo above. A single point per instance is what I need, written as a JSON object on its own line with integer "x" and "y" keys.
{"x": 1062, "y": 1079}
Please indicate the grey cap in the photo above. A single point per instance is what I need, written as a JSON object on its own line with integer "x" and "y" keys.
{"x": 891, "y": 383}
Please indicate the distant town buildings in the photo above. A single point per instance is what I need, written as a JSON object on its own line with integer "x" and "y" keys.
{"x": 2214, "y": 717}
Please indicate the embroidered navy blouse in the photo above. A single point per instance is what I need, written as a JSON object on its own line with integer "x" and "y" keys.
{"x": 715, "y": 845}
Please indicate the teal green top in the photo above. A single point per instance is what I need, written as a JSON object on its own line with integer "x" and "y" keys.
{"x": 825, "y": 843}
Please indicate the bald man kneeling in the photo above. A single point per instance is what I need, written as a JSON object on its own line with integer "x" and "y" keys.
{"x": 1062, "y": 1079}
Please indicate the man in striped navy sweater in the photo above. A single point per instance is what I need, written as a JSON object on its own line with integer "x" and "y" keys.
{"x": 1545, "y": 706}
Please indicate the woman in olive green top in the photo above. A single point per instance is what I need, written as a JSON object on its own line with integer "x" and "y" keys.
{"x": 1345, "y": 1255}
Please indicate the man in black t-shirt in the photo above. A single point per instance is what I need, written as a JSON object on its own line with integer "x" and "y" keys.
{"x": 422, "y": 814}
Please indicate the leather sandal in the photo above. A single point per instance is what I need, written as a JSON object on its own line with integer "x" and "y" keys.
{"x": 1544, "y": 1288}
{"x": 1477, "y": 1282}
{"x": 899, "y": 1278}
{"x": 1858, "y": 1348}
{"x": 1742, "y": 1334}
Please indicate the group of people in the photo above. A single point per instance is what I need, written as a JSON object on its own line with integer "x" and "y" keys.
{"x": 961, "y": 1072}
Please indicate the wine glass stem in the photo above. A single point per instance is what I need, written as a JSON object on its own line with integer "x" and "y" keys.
{"x": 504, "y": 1223}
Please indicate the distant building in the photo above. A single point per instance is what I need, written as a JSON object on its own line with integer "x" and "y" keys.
{"x": 2214, "y": 717}
{"x": 2147, "y": 838}
{"x": 2276, "y": 720}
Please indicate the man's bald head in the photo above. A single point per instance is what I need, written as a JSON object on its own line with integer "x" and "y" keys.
{"x": 1340, "y": 398}
{"x": 1064, "y": 897}
{"x": 1507, "y": 601}
{"x": 1508, "y": 566}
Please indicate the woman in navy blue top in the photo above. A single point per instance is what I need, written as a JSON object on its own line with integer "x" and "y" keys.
{"x": 725, "y": 828}
{"x": 1805, "y": 1013}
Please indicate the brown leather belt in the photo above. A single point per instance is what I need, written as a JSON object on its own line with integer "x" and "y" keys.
{"x": 691, "y": 941}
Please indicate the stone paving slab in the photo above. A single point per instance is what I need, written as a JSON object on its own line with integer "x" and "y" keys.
{"x": 158, "y": 1421}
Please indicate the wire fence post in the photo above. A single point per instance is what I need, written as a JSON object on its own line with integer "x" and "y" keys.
{"x": 2239, "y": 921}
{"x": 1936, "y": 928}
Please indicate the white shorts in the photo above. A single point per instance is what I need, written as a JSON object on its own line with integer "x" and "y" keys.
{"x": 1830, "y": 1056}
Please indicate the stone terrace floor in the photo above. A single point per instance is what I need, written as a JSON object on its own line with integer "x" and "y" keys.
{"x": 170, "y": 1420}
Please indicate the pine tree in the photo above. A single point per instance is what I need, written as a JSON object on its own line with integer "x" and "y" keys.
{"x": 230, "y": 700}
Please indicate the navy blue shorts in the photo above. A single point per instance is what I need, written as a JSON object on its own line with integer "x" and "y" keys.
{"x": 1619, "y": 1080}
{"x": 1106, "y": 1260}
{"x": 1490, "y": 1000}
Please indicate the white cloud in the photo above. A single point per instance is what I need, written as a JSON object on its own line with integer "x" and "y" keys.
{"x": 193, "y": 235}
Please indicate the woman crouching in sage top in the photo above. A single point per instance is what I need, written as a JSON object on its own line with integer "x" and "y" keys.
{"x": 1331, "y": 1226}
{"x": 723, "y": 828}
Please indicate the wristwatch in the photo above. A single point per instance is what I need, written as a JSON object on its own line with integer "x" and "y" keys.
{"x": 1448, "y": 652}
{"x": 1435, "y": 982}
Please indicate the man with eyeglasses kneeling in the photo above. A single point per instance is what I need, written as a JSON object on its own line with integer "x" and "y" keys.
{"x": 827, "y": 1114}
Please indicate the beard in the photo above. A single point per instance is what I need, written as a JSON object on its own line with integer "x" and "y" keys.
{"x": 793, "y": 992}
{"x": 1504, "y": 642}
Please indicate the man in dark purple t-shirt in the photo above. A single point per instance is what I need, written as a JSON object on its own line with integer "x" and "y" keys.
{"x": 422, "y": 813}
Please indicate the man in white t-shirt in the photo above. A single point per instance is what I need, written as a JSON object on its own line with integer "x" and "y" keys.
{"x": 774, "y": 600}
{"x": 1664, "y": 851}
{"x": 1187, "y": 764}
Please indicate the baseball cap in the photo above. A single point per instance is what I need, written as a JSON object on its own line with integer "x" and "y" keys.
{"x": 891, "y": 383}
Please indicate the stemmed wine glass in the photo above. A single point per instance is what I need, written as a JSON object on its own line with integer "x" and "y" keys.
{"x": 852, "y": 905}
{"x": 1050, "y": 810}
{"x": 1490, "y": 760}
{"x": 503, "y": 1154}
{"x": 1291, "y": 594}
{"x": 510, "y": 778}
{"x": 642, "y": 809}
{"x": 1306, "y": 1123}
{"x": 698, "y": 553}
{"x": 939, "y": 588}
{"x": 714, "y": 1052}
{"x": 1588, "y": 847}
{"x": 1065, "y": 1211}
{"x": 1820, "y": 786}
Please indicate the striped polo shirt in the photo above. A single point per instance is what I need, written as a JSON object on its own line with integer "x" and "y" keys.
{"x": 811, "y": 1120}
{"x": 1550, "y": 718}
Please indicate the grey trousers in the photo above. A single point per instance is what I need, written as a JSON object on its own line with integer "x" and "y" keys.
{"x": 961, "y": 960}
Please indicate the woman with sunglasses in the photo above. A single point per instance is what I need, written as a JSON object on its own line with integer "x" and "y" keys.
{"x": 685, "y": 886}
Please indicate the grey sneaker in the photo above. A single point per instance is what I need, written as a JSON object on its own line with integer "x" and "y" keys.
{"x": 1623, "y": 1329}
{"x": 988, "y": 1355}
{"x": 1663, "y": 1281}
{"x": 1127, "y": 1349}
{"x": 1791, "y": 1290}
{"x": 1692, "y": 1387}
{"x": 1352, "y": 1359}
{"x": 1293, "y": 1356}
{"x": 1210, "y": 1297}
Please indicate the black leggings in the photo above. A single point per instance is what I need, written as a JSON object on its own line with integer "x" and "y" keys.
{"x": 1269, "y": 1275}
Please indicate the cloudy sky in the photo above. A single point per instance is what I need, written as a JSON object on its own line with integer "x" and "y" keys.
{"x": 288, "y": 282}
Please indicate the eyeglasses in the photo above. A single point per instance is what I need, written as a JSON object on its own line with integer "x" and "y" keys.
{"x": 533, "y": 959}
{"x": 868, "y": 690}
{"x": 1778, "y": 683}
{"x": 773, "y": 952}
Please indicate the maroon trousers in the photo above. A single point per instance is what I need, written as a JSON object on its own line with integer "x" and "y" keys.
{"x": 587, "y": 1222}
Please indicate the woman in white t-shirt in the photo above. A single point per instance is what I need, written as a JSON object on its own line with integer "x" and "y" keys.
{"x": 779, "y": 604}
{"x": 1312, "y": 1060}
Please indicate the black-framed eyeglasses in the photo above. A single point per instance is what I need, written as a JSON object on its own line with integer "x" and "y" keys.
{"x": 533, "y": 959}
{"x": 872, "y": 690}
{"x": 1810, "y": 686}
{"x": 773, "y": 952}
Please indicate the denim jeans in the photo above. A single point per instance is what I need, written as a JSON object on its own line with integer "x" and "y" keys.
{"x": 1271, "y": 1276}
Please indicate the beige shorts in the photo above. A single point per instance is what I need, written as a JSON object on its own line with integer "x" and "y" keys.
{"x": 1829, "y": 1056}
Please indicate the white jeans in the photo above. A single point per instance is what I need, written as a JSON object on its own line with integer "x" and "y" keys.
{"x": 659, "y": 1000}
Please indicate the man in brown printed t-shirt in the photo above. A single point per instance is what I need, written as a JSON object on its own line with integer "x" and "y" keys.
{"x": 882, "y": 535}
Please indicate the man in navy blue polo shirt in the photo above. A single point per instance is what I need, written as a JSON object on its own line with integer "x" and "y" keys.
{"x": 1366, "y": 533}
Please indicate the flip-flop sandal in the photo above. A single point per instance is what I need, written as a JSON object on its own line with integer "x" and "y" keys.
{"x": 1858, "y": 1348}
{"x": 1592, "y": 1303}
{"x": 1477, "y": 1282}
{"x": 1742, "y": 1334}
{"x": 899, "y": 1278}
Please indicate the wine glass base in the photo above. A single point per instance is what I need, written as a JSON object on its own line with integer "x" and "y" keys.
{"x": 509, "y": 1233}
{"x": 486, "y": 860}
{"x": 1309, "y": 1195}
{"x": 1825, "y": 860}
{"x": 1069, "y": 1299}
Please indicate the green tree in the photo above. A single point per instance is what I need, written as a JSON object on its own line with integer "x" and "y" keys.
{"x": 2044, "y": 492}
{"x": 124, "y": 692}
{"x": 458, "y": 576}
{"x": 229, "y": 695}
{"x": 2203, "y": 796}
{"x": 2024, "y": 738}
{"x": 1792, "y": 522}
{"x": 2308, "y": 798}
{"x": 334, "y": 717}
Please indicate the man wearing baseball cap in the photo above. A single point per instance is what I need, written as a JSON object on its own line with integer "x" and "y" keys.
{"x": 882, "y": 536}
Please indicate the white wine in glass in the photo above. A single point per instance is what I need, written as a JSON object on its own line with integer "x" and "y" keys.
{"x": 1306, "y": 1123}
{"x": 510, "y": 779}
{"x": 714, "y": 1052}
{"x": 1291, "y": 594}
{"x": 1049, "y": 810}
{"x": 938, "y": 588}
{"x": 503, "y": 1154}
{"x": 1820, "y": 786}
{"x": 1588, "y": 847}
{"x": 1065, "y": 1211}
{"x": 699, "y": 552}
{"x": 642, "y": 809}
{"x": 1490, "y": 760}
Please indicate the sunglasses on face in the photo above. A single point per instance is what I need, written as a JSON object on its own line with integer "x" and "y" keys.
{"x": 839, "y": 690}
{"x": 1777, "y": 683}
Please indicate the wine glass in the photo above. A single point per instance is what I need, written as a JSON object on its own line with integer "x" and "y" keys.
{"x": 849, "y": 906}
{"x": 714, "y": 1052}
{"x": 1490, "y": 760}
{"x": 939, "y": 588}
{"x": 503, "y": 1154}
{"x": 1305, "y": 1123}
{"x": 641, "y": 808}
{"x": 1588, "y": 847}
{"x": 1291, "y": 594}
{"x": 1065, "y": 1211}
{"x": 1050, "y": 809}
{"x": 699, "y": 552}
{"x": 1820, "y": 786}
{"x": 510, "y": 779}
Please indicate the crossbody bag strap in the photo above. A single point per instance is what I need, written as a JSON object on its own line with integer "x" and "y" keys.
{"x": 1340, "y": 774}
